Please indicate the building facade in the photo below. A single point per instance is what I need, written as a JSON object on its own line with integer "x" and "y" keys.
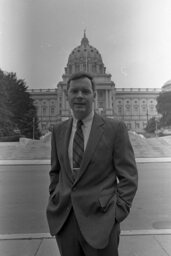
{"x": 45, "y": 101}
{"x": 134, "y": 106}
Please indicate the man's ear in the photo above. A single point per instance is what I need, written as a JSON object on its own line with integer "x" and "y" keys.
{"x": 95, "y": 93}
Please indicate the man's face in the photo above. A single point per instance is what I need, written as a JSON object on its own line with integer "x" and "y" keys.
{"x": 80, "y": 97}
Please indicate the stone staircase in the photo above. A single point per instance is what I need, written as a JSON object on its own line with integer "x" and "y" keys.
{"x": 40, "y": 149}
{"x": 151, "y": 147}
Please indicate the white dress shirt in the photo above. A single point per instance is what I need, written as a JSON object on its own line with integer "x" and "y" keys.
{"x": 86, "y": 127}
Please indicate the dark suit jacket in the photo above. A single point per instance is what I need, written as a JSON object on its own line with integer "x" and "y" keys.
{"x": 98, "y": 199}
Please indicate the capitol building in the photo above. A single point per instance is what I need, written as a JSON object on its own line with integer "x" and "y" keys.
{"x": 135, "y": 106}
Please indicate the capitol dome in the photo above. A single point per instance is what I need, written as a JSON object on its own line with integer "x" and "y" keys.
{"x": 85, "y": 58}
{"x": 167, "y": 86}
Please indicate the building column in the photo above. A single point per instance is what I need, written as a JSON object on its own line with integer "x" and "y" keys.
{"x": 107, "y": 102}
{"x": 110, "y": 99}
{"x": 63, "y": 100}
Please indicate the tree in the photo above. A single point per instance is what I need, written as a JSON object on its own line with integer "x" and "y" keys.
{"x": 164, "y": 108}
{"x": 152, "y": 125}
{"x": 17, "y": 111}
{"x": 6, "y": 125}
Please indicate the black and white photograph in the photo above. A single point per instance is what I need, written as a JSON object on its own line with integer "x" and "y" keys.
{"x": 85, "y": 128}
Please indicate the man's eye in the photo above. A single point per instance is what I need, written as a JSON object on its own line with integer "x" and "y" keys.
{"x": 74, "y": 91}
{"x": 85, "y": 91}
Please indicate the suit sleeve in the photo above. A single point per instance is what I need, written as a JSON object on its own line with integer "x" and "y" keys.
{"x": 126, "y": 171}
{"x": 55, "y": 165}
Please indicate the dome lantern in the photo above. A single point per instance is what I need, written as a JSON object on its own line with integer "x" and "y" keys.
{"x": 84, "y": 40}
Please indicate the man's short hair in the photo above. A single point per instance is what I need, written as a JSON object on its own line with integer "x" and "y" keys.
{"x": 80, "y": 75}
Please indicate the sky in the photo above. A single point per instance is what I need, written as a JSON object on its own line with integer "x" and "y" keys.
{"x": 133, "y": 37}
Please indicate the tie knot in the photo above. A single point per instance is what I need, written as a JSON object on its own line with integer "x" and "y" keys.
{"x": 79, "y": 124}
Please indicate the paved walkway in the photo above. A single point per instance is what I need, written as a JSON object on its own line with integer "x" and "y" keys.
{"x": 47, "y": 161}
{"x": 130, "y": 245}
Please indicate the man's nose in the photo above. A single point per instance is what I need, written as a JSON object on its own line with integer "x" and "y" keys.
{"x": 79, "y": 94}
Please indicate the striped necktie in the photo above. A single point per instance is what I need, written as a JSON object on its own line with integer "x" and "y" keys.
{"x": 78, "y": 145}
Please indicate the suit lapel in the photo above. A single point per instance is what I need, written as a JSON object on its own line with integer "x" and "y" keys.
{"x": 67, "y": 132}
{"x": 94, "y": 138}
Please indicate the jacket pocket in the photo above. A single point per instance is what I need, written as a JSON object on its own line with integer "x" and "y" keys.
{"x": 54, "y": 197}
{"x": 106, "y": 201}
{"x": 122, "y": 211}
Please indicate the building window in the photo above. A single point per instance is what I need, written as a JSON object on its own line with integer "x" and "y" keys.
{"x": 52, "y": 110}
{"x": 144, "y": 107}
{"x": 70, "y": 69}
{"x": 129, "y": 126}
{"x": 151, "y": 107}
{"x": 101, "y": 94}
{"x": 43, "y": 126}
{"x": 101, "y": 69}
{"x": 144, "y": 124}
{"x": 101, "y": 104}
{"x": 44, "y": 111}
{"x": 77, "y": 68}
{"x": 94, "y": 68}
{"x": 120, "y": 109}
{"x": 37, "y": 109}
{"x": 127, "y": 107}
{"x": 84, "y": 67}
{"x": 136, "y": 107}
{"x": 137, "y": 125}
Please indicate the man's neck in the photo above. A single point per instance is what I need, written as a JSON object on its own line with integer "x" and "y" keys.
{"x": 86, "y": 119}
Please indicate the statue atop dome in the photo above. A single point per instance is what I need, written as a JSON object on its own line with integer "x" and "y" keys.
{"x": 84, "y": 40}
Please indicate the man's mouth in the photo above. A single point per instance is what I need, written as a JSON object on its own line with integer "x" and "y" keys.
{"x": 79, "y": 106}
{"x": 79, "y": 103}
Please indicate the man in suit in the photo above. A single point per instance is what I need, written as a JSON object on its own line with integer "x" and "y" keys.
{"x": 93, "y": 176}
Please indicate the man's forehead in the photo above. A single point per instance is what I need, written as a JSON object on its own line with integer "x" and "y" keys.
{"x": 81, "y": 79}
{"x": 84, "y": 81}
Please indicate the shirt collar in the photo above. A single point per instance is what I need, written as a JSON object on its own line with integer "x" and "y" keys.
{"x": 86, "y": 120}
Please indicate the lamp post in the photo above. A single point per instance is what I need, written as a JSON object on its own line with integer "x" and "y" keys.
{"x": 33, "y": 127}
{"x": 147, "y": 113}
{"x": 156, "y": 128}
